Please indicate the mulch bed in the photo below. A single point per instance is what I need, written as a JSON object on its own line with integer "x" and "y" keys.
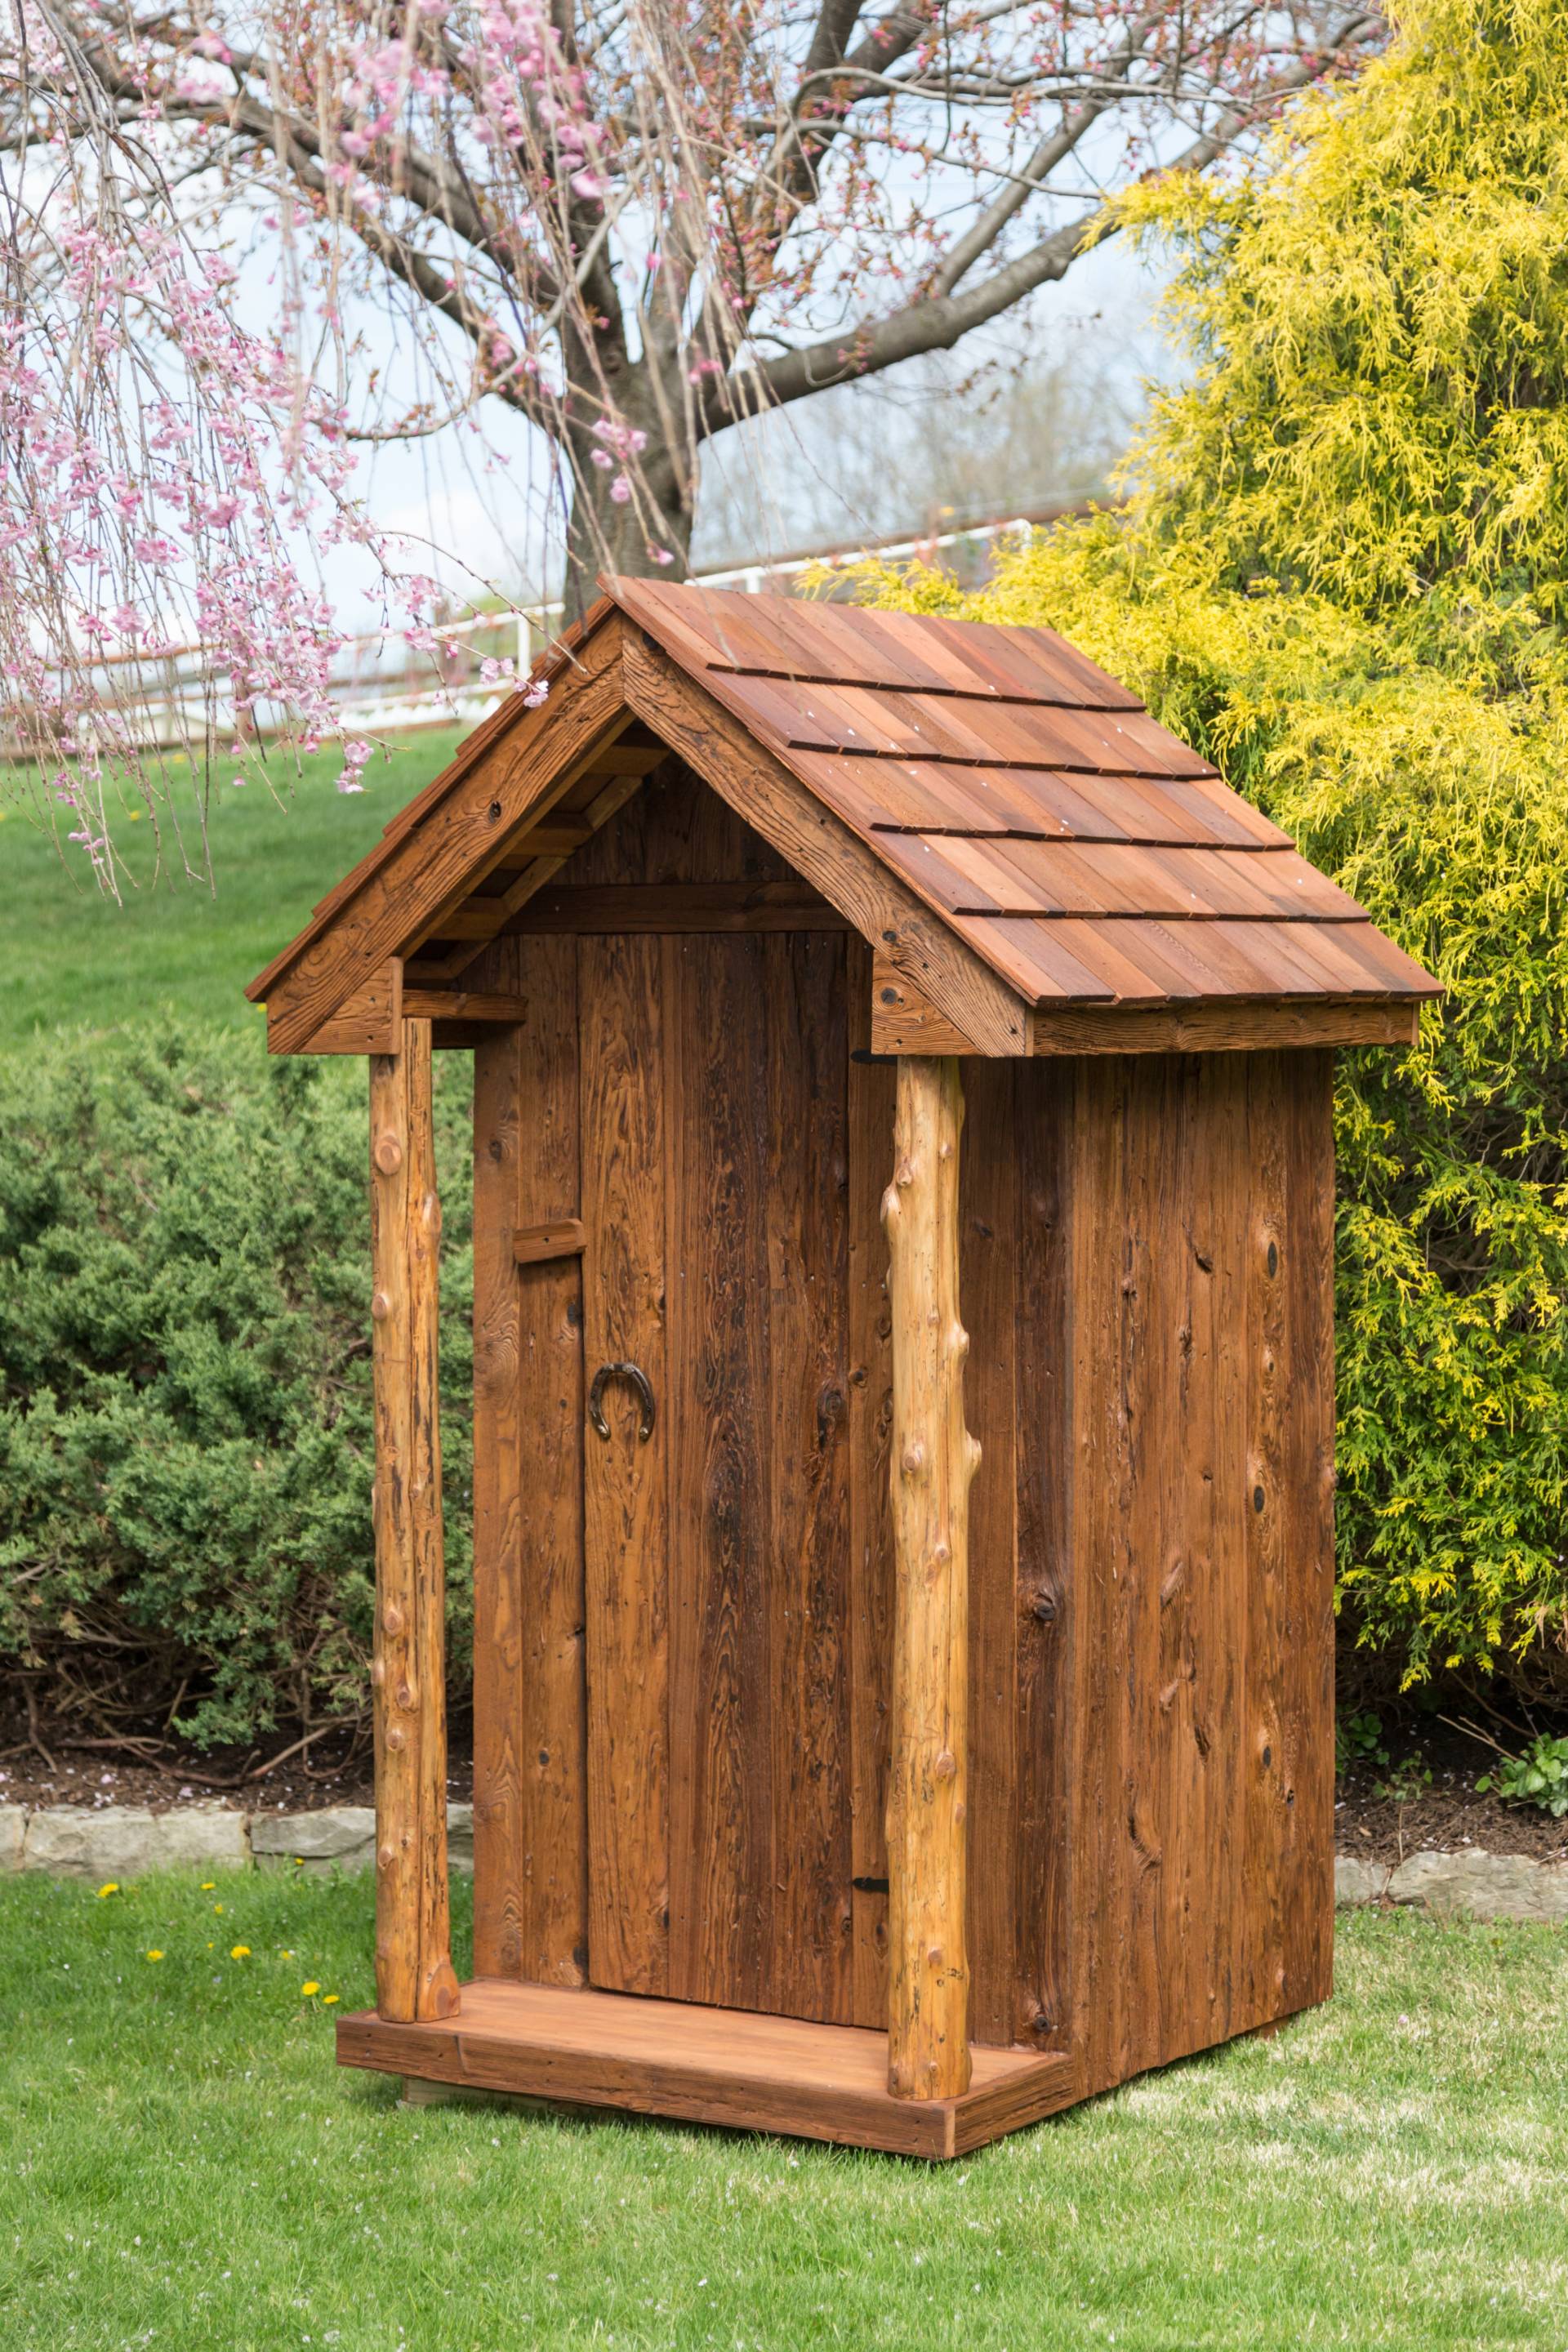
{"x": 1447, "y": 1816}
{"x": 1447, "y": 1819}
{"x": 336, "y": 1770}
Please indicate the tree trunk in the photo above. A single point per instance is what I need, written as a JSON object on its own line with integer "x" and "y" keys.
{"x": 608, "y": 534}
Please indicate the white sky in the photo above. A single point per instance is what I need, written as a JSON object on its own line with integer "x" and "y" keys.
{"x": 478, "y": 497}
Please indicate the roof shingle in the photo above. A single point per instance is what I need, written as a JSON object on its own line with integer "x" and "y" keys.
{"x": 1082, "y": 850}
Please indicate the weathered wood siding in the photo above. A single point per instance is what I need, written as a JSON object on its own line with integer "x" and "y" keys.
{"x": 530, "y": 1872}
{"x": 1199, "y": 1594}
{"x": 682, "y": 1687}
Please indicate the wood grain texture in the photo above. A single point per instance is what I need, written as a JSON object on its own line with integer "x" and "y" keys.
{"x": 806, "y": 1237}
{"x": 412, "y": 1943}
{"x": 994, "y": 1313}
{"x": 934, "y": 1459}
{"x": 1144, "y": 1761}
{"x": 869, "y": 1126}
{"x": 734, "y": 1062}
{"x": 677, "y": 834}
{"x": 499, "y": 1836}
{"x": 1202, "y": 1741}
{"x": 1309, "y": 1602}
{"x": 493, "y": 911}
{"x": 509, "y": 717}
{"x": 1271, "y": 1522}
{"x": 529, "y": 1700}
{"x": 556, "y": 1237}
{"x": 674, "y": 906}
{"x": 402, "y": 889}
{"x": 1011, "y": 849}
{"x": 706, "y": 2065}
{"x": 903, "y": 1021}
{"x": 1124, "y": 871}
{"x": 1045, "y": 1797}
{"x": 721, "y": 1689}
{"x": 761, "y": 1856}
{"x": 1290, "y": 1533}
{"x": 1102, "y": 1478}
{"x": 371, "y": 1021}
{"x": 1238, "y": 1028}
{"x": 820, "y": 846}
{"x": 626, "y": 1479}
{"x": 459, "y": 1005}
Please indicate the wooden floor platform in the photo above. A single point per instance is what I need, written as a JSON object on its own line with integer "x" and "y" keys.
{"x": 705, "y": 2065}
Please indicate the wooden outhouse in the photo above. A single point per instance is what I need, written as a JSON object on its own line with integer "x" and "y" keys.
{"x": 882, "y": 1734}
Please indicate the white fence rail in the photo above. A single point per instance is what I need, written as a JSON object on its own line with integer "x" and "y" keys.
{"x": 381, "y": 686}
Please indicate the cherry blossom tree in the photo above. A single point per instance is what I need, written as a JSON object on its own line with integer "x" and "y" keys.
{"x": 243, "y": 239}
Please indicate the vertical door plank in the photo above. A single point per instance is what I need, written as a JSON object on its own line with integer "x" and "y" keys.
{"x": 802, "y": 1209}
{"x": 989, "y": 1302}
{"x": 1045, "y": 1606}
{"x": 624, "y": 1492}
{"x": 529, "y": 1700}
{"x": 721, "y": 1840}
{"x": 500, "y": 1834}
{"x": 870, "y": 1131}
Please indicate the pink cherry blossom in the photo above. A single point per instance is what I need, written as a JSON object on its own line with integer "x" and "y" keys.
{"x": 634, "y": 223}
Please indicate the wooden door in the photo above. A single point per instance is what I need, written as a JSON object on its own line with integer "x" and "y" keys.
{"x": 716, "y": 1200}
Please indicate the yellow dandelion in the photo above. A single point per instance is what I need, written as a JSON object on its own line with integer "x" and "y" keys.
{"x": 154, "y": 1956}
{"x": 109, "y": 1886}
{"x": 218, "y": 1907}
{"x": 239, "y": 1952}
{"x": 208, "y": 1885}
{"x": 283, "y": 1953}
{"x": 307, "y": 1989}
{"x": 327, "y": 1999}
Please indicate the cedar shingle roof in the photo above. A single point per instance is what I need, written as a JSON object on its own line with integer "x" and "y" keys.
{"x": 1080, "y": 849}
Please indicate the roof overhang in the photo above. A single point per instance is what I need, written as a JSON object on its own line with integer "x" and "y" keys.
{"x": 793, "y": 718}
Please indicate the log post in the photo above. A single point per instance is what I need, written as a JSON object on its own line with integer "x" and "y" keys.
{"x": 934, "y": 1460}
{"x": 414, "y": 1975}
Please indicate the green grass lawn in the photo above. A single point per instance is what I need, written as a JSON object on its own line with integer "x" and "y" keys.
{"x": 70, "y": 956}
{"x": 183, "y": 2167}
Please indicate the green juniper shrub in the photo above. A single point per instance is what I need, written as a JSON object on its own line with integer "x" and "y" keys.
{"x": 1344, "y": 575}
{"x": 186, "y": 1437}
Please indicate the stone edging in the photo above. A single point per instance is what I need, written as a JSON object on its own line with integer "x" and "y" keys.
{"x": 1469, "y": 1883}
{"x": 122, "y": 1841}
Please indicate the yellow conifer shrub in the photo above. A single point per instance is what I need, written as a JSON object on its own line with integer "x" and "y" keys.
{"x": 1343, "y": 573}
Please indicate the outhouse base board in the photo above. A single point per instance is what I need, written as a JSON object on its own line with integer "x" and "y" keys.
{"x": 705, "y": 2065}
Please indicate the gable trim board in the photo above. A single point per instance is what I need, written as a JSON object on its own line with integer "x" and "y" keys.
{"x": 1040, "y": 864}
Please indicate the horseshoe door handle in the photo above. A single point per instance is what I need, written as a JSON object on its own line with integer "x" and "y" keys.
{"x": 639, "y": 1382}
